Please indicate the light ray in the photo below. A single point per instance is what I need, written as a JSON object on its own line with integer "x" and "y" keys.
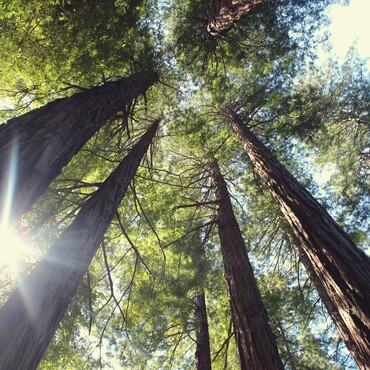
{"x": 8, "y": 192}
{"x": 12, "y": 247}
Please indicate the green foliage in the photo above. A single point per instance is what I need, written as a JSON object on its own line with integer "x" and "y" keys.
{"x": 278, "y": 30}
{"x": 135, "y": 309}
{"x": 48, "y": 46}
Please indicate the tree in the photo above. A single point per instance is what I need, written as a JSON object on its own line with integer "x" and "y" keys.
{"x": 31, "y": 315}
{"x": 135, "y": 305}
{"x": 36, "y": 145}
{"x": 215, "y": 34}
{"x": 226, "y": 14}
{"x": 339, "y": 270}
{"x": 54, "y": 43}
{"x": 202, "y": 352}
{"x": 255, "y": 340}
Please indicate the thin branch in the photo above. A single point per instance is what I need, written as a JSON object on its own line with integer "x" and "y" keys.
{"x": 189, "y": 232}
{"x": 225, "y": 343}
{"x": 138, "y": 203}
{"x": 90, "y": 301}
{"x": 132, "y": 244}
{"x": 195, "y": 204}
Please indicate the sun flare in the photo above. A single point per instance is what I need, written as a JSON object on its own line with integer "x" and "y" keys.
{"x": 13, "y": 249}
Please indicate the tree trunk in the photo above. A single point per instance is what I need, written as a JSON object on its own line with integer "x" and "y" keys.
{"x": 30, "y": 317}
{"x": 202, "y": 352}
{"x": 339, "y": 270}
{"x": 256, "y": 344}
{"x": 36, "y": 146}
{"x": 226, "y": 14}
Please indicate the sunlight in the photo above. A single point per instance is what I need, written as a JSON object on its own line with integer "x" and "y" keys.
{"x": 349, "y": 24}
{"x": 11, "y": 175}
{"x": 13, "y": 249}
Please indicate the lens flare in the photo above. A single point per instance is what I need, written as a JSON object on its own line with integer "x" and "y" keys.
{"x": 8, "y": 192}
{"x": 12, "y": 248}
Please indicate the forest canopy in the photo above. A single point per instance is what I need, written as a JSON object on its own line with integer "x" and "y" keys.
{"x": 122, "y": 122}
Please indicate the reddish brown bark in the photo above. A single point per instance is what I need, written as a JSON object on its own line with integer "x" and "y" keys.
{"x": 44, "y": 140}
{"x": 256, "y": 343}
{"x": 202, "y": 352}
{"x": 339, "y": 270}
{"x": 30, "y": 317}
{"x": 226, "y": 14}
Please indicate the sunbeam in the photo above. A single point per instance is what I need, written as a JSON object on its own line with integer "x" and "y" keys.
{"x": 8, "y": 192}
{"x": 12, "y": 247}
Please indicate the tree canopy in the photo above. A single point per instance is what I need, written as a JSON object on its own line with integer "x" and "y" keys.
{"x": 136, "y": 306}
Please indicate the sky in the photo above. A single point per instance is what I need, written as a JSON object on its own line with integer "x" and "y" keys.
{"x": 349, "y": 24}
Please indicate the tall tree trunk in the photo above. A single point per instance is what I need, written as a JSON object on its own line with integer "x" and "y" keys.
{"x": 339, "y": 270}
{"x": 30, "y": 317}
{"x": 36, "y": 146}
{"x": 256, "y": 343}
{"x": 202, "y": 352}
{"x": 225, "y": 14}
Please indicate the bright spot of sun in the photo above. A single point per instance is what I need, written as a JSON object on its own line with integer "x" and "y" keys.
{"x": 350, "y": 23}
{"x": 13, "y": 249}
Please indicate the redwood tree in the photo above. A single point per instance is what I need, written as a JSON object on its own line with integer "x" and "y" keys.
{"x": 225, "y": 14}
{"x": 255, "y": 341}
{"x": 337, "y": 267}
{"x": 36, "y": 146}
{"x": 30, "y": 317}
{"x": 202, "y": 352}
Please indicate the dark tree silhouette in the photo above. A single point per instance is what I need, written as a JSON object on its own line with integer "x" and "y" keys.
{"x": 40, "y": 143}
{"x": 29, "y": 318}
{"x": 337, "y": 267}
{"x": 255, "y": 341}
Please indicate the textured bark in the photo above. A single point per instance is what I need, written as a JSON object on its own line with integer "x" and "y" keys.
{"x": 30, "y": 317}
{"x": 226, "y": 14}
{"x": 256, "y": 343}
{"x": 339, "y": 270}
{"x": 202, "y": 352}
{"x": 44, "y": 140}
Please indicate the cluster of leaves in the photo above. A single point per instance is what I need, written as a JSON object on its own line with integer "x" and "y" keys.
{"x": 135, "y": 307}
{"x": 49, "y": 47}
{"x": 277, "y": 31}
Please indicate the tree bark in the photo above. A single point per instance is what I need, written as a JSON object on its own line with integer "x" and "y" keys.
{"x": 339, "y": 270}
{"x": 202, "y": 352}
{"x": 226, "y": 14}
{"x": 37, "y": 145}
{"x": 29, "y": 318}
{"x": 255, "y": 341}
